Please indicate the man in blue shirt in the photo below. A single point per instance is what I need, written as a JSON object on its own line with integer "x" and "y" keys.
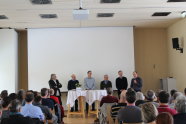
{"x": 89, "y": 84}
{"x": 29, "y": 110}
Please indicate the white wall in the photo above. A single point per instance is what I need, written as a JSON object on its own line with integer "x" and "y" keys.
{"x": 64, "y": 51}
{"x": 8, "y": 60}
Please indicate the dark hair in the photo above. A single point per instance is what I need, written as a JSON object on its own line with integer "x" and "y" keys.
{"x": 15, "y": 106}
{"x": 6, "y": 101}
{"x": 185, "y": 91}
{"x": 172, "y": 92}
{"x": 89, "y": 71}
{"x": 29, "y": 97}
{"x": 4, "y": 93}
{"x": 150, "y": 95}
{"x": 164, "y": 118}
{"x": 44, "y": 91}
{"x": 131, "y": 96}
{"x": 13, "y": 96}
{"x": 119, "y": 71}
{"x": 163, "y": 97}
{"x": 109, "y": 91}
{"x": 37, "y": 99}
{"x": 21, "y": 95}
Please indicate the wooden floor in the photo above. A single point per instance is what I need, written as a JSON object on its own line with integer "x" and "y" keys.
{"x": 77, "y": 119}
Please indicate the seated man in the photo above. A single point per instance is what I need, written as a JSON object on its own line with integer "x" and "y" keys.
{"x": 109, "y": 98}
{"x": 131, "y": 113}
{"x": 45, "y": 100}
{"x": 15, "y": 115}
{"x": 163, "y": 98}
{"x": 105, "y": 83}
{"x": 45, "y": 110}
{"x": 5, "y": 107}
{"x": 29, "y": 110}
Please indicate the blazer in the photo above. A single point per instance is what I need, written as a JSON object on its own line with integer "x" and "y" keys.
{"x": 55, "y": 86}
{"x": 103, "y": 85}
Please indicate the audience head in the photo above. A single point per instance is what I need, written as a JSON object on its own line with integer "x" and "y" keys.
{"x": 4, "y": 93}
{"x": 37, "y": 99}
{"x": 139, "y": 96}
{"x": 44, "y": 92}
{"x": 180, "y": 104}
{"x": 172, "y": 92}
{"x": 53, "y": 77}
{"x": 51, "y": 92}
{"x": 21, "y": 95}
{"x": 176, "y": 95}
{"x": 149, "y": 112}
{"x": 13, "y": 96}
{"x": 164, "y": 118}
{"x": 105, "y": 77}
{"x": 120, "y": 73}
{"x": 163, "y": 97}
{"x": 130, "y": 96}
{"x": 109, "y": 91}
{"x": 15, "y": 106}
{"x": 150, "y": 95}
{"x": 135, "y": 74}
{"x": 73, "y": 76}
{"x": 89, "y": 73}
{"x": 29, "y": 97}
{"x": 6, "y": 102}
{"x": 185, "y": 91}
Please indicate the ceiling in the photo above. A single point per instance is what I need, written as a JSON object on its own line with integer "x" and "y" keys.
{"x": 23, "y": 14}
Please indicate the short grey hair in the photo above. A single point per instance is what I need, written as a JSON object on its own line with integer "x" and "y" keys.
{"x": 180, "y": 104}
{"x": 139, "y": 96}
{"x": 177, "y": 94}
{"x": 149, "y": 112}
{"x": 109, "y": 91}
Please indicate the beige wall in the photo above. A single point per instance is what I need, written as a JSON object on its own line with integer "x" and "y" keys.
{"x": 177, "y": 60}
{"x": 151, "y": 56}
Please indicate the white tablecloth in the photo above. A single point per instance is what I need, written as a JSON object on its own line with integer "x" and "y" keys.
{"x": 90, "y": 96}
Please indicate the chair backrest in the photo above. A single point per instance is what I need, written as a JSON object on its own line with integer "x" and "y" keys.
{"x": 103, "y": 108}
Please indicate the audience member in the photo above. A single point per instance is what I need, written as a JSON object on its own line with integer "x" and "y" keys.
{"x": 174, "y": 97}
{"x": 172, "y": 92}
{"x": 140, "y": 99}
{"x": 21, "y": 96}
{"x": 131, "y": 113}
{"x": 163, "y": 103}
{"x": 15, "y": 116}
{"x": 151, "y": 97}
{"x": 164, "y": 118}
{"x": 105, "y": 83}
{"x": 13, "y": 96}
{"x": 5, "y": 107}
{"x": 109, "y": 98}
{"x": 185, "y": 91}
{"x": 180, "y": 105}
{"x": 4, "y": 93}
{"x": 149, "y": 113}
{"x": 30, "y": 110}
{"x": 45, "y": 100}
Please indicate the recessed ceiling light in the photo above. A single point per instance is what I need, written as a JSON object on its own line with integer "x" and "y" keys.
{"x": 3, "y": 17}
{"x": 48, "y": 16}
{"x": 41, "y": 2}
{"x": 161, "y": 13}
{"x": 105, "y": 14}
{"x": 110, "y": 1}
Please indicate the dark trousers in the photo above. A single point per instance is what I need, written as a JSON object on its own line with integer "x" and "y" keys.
{"x": 59, "y": 97}
{"x": 75, "y": 106}
{"x": 119, "y": 92}
{"x": 93, "y": 106}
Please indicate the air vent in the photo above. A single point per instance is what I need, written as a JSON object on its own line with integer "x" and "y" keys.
{"x": 41, "y": 2}
{"x": 110, "y": 1}
{"x": 176, "y": 1}
{"x": 161, "y": 13}
{"x": 3, "y": 17}
{"x": 48, "y": 16}
{"x": 105, "y": 14}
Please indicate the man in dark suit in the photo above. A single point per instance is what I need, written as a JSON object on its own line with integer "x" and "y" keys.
{"x": 72, "y": 85}
{"x": 16, "y": 117}
{"x": 105, "y": 83}
{"x": 55, "y": 85}
{"x": 136, "y": 82}
{"x": 121, "y": 83}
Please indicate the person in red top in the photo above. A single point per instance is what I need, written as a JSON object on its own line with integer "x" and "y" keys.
{"x": 163, "y": 98}
{"x": 109, "y": 98}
